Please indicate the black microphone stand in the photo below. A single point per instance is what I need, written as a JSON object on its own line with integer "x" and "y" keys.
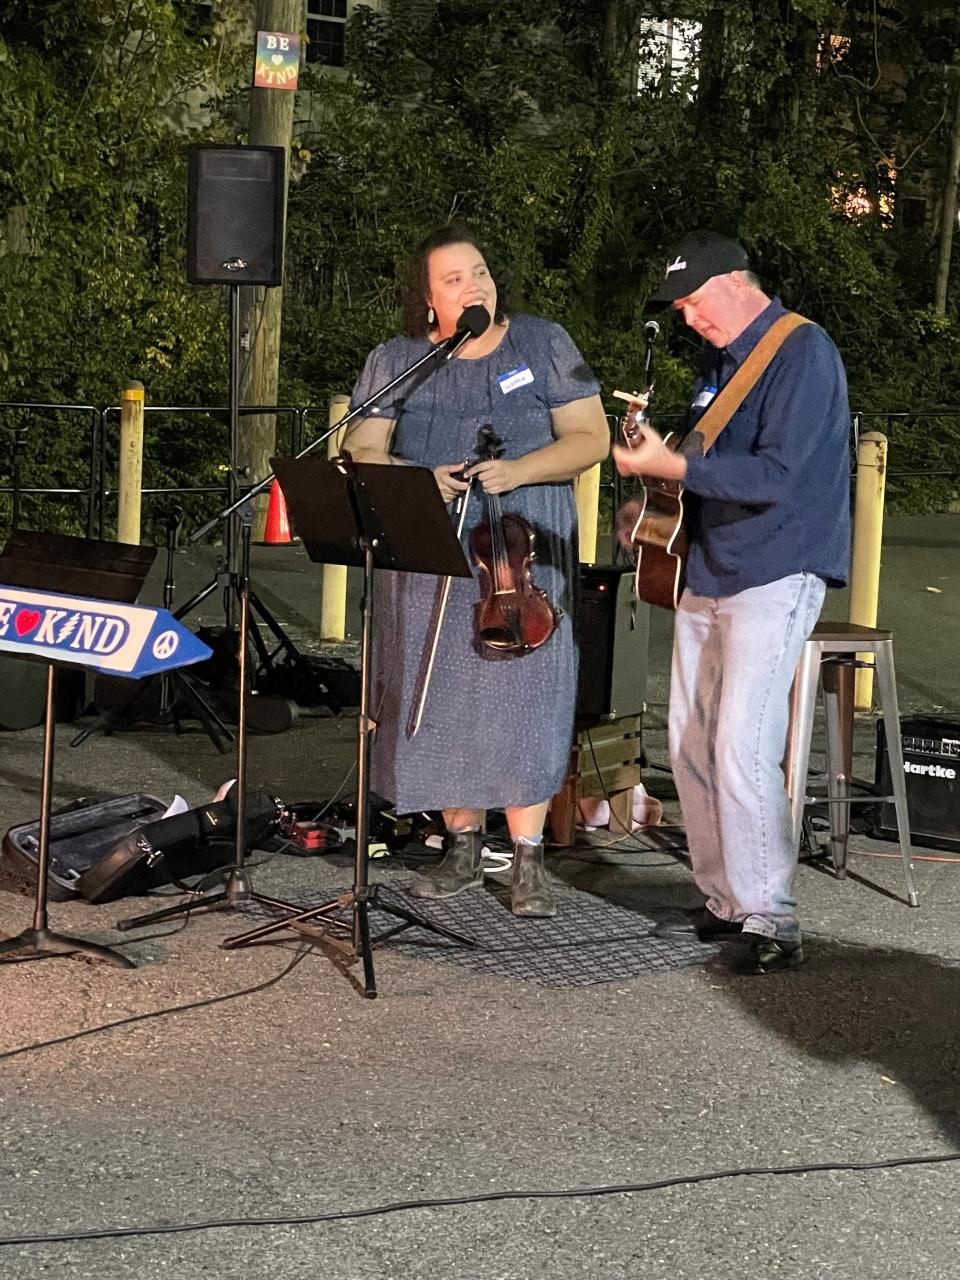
{"x": 470, "y": 326}
{"x": 651, "y": 331}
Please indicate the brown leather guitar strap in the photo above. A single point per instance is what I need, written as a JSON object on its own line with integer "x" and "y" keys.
{"x": 732, "y": 396}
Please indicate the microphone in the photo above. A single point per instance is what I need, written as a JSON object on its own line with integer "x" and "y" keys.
{"x": 473, "y": 321}
{"x": 651, "y": 331}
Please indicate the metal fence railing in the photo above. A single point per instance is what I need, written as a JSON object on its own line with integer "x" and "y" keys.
{"x": 66, "y": 454}
{"x": 162, "y": 455}
{"x": 60, "y": 439}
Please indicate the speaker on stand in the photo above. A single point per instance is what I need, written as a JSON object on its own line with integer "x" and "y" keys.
{"x": 234, "y": 237}
{"x": 235, "y": 232}
{"x": 235, "y": 215}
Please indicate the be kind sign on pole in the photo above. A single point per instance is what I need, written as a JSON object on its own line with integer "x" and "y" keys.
{"x": 278, "y": 60}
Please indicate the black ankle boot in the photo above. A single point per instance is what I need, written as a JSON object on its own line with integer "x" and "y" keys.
{"x": 530, "y": 893}
{"x": 458, "y": 869}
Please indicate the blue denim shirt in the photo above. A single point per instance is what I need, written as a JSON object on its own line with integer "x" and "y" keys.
{"x": 772, "y": 496}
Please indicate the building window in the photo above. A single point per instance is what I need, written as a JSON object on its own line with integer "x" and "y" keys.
{"x": 668, "y": 52}
{"x": 326, "y": 31}
{"x": 197, "y": 16}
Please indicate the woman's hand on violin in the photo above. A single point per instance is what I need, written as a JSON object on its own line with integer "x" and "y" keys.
{"x": 450, "y": 482}
{"x": 498, "y": 475}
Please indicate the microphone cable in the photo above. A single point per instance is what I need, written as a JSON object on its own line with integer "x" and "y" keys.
{"x": 487, "y": 1197}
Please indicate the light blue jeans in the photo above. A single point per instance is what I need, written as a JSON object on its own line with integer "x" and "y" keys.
{"x": 734, "y": 660}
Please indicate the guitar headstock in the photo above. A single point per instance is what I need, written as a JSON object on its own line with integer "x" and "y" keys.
{"x": 635, "y": 417}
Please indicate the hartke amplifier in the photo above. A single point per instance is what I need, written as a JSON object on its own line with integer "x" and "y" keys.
{"x": 931, "y": 762}
{"x": 612, "y": 629}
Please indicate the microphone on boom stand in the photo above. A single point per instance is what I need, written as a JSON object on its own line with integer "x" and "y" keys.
{"x": 651, "y": 332}
{"x": 474, "y": 321}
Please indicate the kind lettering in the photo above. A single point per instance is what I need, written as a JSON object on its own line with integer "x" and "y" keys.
{"x": 75, "y": 630}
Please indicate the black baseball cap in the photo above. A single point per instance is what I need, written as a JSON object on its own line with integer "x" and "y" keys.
{"x": 695, "y": 260}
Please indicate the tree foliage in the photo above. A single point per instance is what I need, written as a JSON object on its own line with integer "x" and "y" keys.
{"x": 802, "y": 126}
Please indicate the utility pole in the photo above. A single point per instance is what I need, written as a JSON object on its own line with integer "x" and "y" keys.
{"x": 271, "y": 125}
{"x": 948, "y": 218}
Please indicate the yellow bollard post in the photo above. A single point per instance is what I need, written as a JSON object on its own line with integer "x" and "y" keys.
{"x": 867, "y": 538}
{"x": 587, "y": 496}
{"x": 333, "y": 597}
{"x": 130, "y": 477}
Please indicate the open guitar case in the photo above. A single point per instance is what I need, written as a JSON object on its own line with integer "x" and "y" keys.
{"x": 107, "y": 849}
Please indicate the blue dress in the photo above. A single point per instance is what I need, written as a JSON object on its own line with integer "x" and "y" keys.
{"x": 494, "y": 733}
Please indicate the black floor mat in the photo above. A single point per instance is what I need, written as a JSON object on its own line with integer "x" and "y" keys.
{"x": 588, "y": 942}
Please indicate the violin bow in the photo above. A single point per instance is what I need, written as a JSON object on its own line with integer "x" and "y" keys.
{"x": 428, "y": 658}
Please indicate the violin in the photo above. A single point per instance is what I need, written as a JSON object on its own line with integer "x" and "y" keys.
{"x": 512, "y": 616}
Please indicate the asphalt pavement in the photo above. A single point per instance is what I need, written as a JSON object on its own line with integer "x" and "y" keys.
{"x": 237, "y": 1094}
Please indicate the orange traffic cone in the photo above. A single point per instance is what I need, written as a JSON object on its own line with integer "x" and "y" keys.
{"x": 277, "y": 526}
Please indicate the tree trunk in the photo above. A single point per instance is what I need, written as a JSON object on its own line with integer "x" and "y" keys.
{"x": 271, "y": 125}
{"x": 948, "y": 216}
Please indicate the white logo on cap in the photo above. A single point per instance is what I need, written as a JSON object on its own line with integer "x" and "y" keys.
{"x": 678, "y": 264}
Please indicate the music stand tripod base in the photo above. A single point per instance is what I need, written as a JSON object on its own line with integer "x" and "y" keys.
{"x": 44, "y": 942}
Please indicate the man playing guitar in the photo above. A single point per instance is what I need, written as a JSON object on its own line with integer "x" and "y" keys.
{"x": 767, "y": 519}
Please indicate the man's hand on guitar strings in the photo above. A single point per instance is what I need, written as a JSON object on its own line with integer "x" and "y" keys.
{"x": 650, "y": 456}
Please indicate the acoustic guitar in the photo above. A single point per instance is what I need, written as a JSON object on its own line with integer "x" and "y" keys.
{"x": 655, "y": 519}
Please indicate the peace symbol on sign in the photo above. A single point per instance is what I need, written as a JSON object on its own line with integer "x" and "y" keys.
{"x": 165, "y": 645}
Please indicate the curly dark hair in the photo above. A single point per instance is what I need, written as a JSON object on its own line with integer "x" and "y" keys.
{"x": 413, "y": 289}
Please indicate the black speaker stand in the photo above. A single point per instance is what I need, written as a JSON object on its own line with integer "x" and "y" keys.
{"x": 178, "y": 692}
{"x": 238, "y": 887}
{"x": 227, "y": 577}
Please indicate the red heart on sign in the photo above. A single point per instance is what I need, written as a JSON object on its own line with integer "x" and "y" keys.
{"x": 26, "y": 620}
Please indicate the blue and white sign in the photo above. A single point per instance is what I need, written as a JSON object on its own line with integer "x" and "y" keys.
{"x": 120, "y": 639}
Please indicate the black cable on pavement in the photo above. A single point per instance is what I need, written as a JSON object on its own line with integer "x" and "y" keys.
{"x": 158, "y": 1013}
{"x": 400, "y": 1206}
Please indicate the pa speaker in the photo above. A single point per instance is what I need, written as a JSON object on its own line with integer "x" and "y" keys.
{"x": 235, "y": 215}
{"x": 931, "y": 765}
{"x": 612, "y": 629}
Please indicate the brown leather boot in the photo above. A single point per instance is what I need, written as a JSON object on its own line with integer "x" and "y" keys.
{"x": 458, "y": 869}
{"x": 530, "y": 892}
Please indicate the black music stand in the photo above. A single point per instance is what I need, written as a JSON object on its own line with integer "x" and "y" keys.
{"x": 76, "y": 566}
{"x": 381, "y": 517}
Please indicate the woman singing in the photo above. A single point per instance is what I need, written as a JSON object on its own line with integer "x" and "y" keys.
{"x": 494, "y": 733}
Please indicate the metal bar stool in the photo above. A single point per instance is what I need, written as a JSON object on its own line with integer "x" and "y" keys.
{"x": 830, "y": 657}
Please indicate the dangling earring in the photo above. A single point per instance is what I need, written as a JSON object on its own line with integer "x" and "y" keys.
{"x": 431, "y": 316}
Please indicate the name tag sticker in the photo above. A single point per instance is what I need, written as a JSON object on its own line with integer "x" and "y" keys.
{"x": 704, "y": 398}
{"x": 518, "y": 377}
